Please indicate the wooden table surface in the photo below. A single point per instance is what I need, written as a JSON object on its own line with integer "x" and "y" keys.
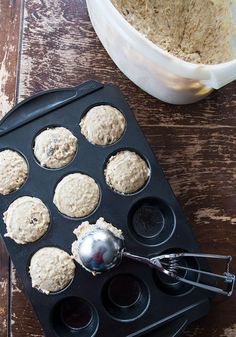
{"x": 51, "y": 43}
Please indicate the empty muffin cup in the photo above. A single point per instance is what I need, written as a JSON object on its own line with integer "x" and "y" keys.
{"x": 74, "y": 316}
{"x": 174, "y": 287}
{"x": 103, "y": 125}
{"x": 13, "y": 171}
{"x": 125, "y": 297}
{"x": 151, "y": 221}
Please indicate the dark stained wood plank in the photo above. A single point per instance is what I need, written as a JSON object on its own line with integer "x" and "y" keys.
{"x": 25, "y": 323}
{"x": 9, "y": 35}
{"x": 4, "y": 289}
{"x": 202, "y": 177}
{"x": 196, "y": 144}
{"x": 60, "y": 35}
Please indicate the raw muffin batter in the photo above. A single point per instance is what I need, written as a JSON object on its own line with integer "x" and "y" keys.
{"x": 51, "y": 269}
{"x": 13, "y": 171}
{"x": 76, "y": 195}
{"x": 194, "y": 30}
{"x": 55, "y": 147}
{"x": 126, "y": 172}
{"x": 26, "y": 219}
{"x": 103, "y": 125}
{"x": 86, "y": 228}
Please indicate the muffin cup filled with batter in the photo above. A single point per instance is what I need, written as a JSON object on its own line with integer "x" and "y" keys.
{"x": 126, "y": 172}
{"x": 27, "y": 219}
{"x": 51, "y": 269}
{"x": 55, "y": 147}
{"x": 13, "y": 171}
{"x": 76, "y": 195}
{"x": 103, "y": 125}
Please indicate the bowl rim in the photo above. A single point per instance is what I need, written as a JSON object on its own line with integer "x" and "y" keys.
{"x": 159, "y": 49}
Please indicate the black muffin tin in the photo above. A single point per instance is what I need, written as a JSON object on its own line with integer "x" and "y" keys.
{"x": 132, "y": 299}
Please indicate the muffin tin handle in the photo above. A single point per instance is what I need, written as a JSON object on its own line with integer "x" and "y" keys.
{"x": 44, "y": 102}
{"x": 168, "y": 329}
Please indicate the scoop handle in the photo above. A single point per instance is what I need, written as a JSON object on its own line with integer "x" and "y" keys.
{"x": 150, "y": 262}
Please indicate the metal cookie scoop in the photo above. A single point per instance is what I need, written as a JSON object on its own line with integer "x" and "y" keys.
{"x": 100, "y": 250}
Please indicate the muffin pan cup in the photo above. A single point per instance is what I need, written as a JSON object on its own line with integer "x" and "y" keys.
{"x": 148, "y": 305}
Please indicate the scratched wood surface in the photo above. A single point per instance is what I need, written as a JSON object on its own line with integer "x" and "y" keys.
{"x": 196, "y": 144}
{"x": 9, "y": 34}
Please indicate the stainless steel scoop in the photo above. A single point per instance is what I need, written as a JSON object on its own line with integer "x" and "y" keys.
{"x": 100, "y": 250}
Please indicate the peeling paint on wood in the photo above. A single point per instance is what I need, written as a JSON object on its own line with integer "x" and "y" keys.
{"x": 25, "y": 322}
{"x": 5, "y": 103}
{"x": 214, "y": 214}
{"x": 14, "y": 281}
{"x": 9, "y": 34}
{"x": 9, "y": 28}
{"x": 4, "y": 288}
{"x": 230, "y": 332}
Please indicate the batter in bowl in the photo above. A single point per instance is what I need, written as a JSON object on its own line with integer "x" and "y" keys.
{"x": 194, "y": 30}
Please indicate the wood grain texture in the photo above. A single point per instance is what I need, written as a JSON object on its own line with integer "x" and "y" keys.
{"x": 195, "y": 144}
{"x": 9, "y": 34}
{"x": 24, "y": 321}
{"x": 9, "y": 37}
{"x": 4, "y": 289}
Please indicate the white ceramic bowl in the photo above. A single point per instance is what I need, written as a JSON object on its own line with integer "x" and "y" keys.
{"x": 153, "y": 69}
